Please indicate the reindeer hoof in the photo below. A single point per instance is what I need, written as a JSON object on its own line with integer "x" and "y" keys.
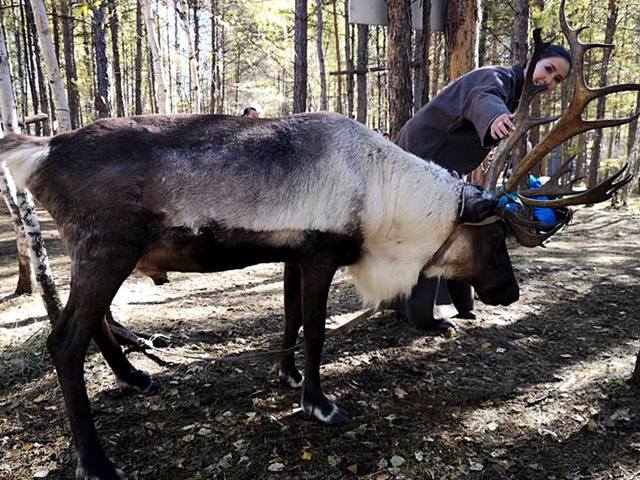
{"x": 99, "y": 471}
{"x": 291, "y": 378}
{"x": 325, "y": 411}
{"x": 140, "y": 382}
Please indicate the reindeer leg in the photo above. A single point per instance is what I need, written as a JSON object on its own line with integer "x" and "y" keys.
{"x": 287, "y": 372}
{"x": 93, "y": 286}
{"x": 316, "y": 280}
{"x": 128, "y": 376}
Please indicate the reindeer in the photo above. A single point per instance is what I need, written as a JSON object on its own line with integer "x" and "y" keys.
{"x": 206, "y": 193}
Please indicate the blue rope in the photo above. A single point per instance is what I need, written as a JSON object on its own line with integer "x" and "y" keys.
{"x": 508, "y": 197}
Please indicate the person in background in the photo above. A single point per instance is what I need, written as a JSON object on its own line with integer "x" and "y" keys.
{"x": 250, "y": 112}
{"x": 385, "y": 135}
{"x": 457, "y": 130}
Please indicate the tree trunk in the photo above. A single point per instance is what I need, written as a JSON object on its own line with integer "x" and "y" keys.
{"x": 421, "y": 74}
{"x": 30, "y": 226}
{"x": 137, "y": 93}
{"x": 361, "y": 76}
{"x": 348, "y": 60}
{"x": 483, "y": 39}
{"x": 633, "y": 145}
{"x": 319, "y": 46}
{"x": 398, "y": 53}
{"x": 10, "y": 121}
{"x": 102, "y": 101}
{"x": 300, "y": 63}
{"x": 27, "y": 21}
{"x": 592, "y": 178}
{"x": 55, "y": 79}
{"x": 520, "y": 39}
{"x": 336, "y": 32}
{"x": 194, "y": 83}
{"x": 115, "y": 53}
{"x": 160, "y": 84}
{"x": 437, "y": 60}
{"x": 461, "y": 31}
{"x": 519, "y": 55}
{"x": 43, "y": 105}
{"x": 70, "y": 64}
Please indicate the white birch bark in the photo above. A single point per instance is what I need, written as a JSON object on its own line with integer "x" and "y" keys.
{"x": 23, "y": 209}
{"x": 10, "y": 121}
{"x": 53, "y": 69}
{"x": 183, "y": 15}
{"x": 161, "y": 86}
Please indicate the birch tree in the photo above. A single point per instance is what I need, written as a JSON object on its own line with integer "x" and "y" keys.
{"x": 53, "y": 70}
{"x": 183, "y": 16}
{"x": 20, "y": 202}
{"x": 158, "y": 67}
{"x": 10, "y": 120}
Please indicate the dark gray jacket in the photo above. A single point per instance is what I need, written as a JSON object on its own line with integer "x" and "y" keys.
{"x": 453, "y": 128}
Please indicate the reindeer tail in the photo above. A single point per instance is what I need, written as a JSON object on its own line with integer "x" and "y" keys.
{"x": 22, "y": 155}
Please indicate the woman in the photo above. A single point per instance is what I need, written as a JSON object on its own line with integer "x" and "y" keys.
{"x": 457, "y": 129}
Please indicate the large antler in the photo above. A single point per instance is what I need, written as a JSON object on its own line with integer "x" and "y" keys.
{"x": 568, "y": 125}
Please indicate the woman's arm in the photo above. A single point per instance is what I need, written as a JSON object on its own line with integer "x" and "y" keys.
{"x": 484, "y": 103}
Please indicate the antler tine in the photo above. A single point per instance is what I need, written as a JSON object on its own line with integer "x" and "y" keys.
{"x": 552, "y": 187}
{"x": 601, "y": 192}
{"x": 521, "y": 230}
{"x": 571, "y": 122}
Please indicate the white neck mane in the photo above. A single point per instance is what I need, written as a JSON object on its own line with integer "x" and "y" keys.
{"x": 410, "y": 209}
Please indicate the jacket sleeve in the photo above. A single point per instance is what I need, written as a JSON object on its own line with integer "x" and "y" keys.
{"x": 486, "y": 99}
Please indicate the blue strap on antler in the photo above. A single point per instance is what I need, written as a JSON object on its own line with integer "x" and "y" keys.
{"x": 506, "y": 198}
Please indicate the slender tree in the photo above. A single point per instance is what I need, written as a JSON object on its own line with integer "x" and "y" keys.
{"x": 114, "y": 27}
{"x": 138, "y": 63}
{"x": 300, "y": 62}
{"x": 70, "y": 63}
{"x": 102, "y": 102}
{"x": 336, "y": 36}
{"x": 592, "y": 178}
{"x": 55, "y": 79}
{"x": 194, "y": 82}
{"x": 10, "y": 121}
{"x": 421, "y": 74}
{"x": 348, "y": 56}
{"x": 361, "y": 76}
{"x": 320, "y": 51}
{"x": 154, "y": 49}
{"x": 29, "y": 226}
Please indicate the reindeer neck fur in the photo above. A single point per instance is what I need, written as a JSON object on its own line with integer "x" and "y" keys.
{"x": 411, "y": 208}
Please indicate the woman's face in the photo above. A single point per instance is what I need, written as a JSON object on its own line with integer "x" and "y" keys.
{"x": 550, "y": 72}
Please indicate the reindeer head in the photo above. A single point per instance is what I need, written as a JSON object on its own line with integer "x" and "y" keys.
{"x": 526, "y": 229}
{"x": 476, "y": 250}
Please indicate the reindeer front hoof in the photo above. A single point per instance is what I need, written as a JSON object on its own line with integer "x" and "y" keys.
{"x": 291, "y": 378}
{"x": 102, "y": 470}
{"x": 141, "y": 382}
{"x": 324, "y": 410}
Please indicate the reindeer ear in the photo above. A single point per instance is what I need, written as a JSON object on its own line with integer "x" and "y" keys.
{"x": 478, "y": 204}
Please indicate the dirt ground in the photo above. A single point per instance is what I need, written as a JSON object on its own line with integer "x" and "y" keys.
{"x": 537, "y": 390}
